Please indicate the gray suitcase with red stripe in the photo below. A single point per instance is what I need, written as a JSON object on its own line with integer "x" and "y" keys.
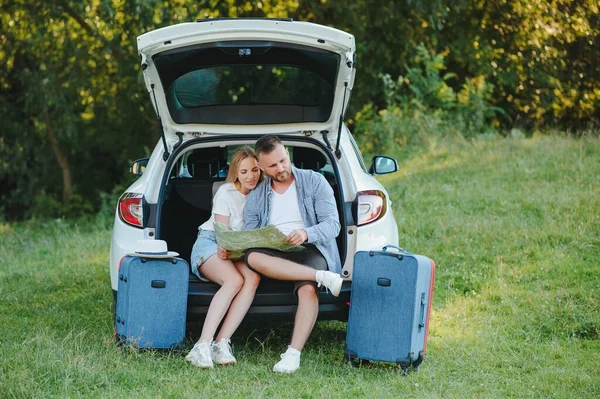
{"x": 390, "y": 306}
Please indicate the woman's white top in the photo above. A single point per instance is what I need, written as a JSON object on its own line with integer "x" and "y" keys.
{"x": 228, "y": 201}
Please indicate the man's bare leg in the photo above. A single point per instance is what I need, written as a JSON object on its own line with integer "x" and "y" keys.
{"x": 306, "y": 315}
{"x": 280, "y": 269}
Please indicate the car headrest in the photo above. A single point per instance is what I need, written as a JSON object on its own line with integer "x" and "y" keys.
{"x": 309, "y": 158}
{"x": 205, "y": 163}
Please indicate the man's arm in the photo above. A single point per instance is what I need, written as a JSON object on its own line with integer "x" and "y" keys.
{"x": 328, "y": 220}
{"x": 252, "y": 212}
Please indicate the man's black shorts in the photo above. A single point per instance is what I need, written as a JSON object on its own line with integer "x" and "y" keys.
{"x": 310, "y": 257}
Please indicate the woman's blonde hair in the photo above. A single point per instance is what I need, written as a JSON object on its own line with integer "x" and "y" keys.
{"x": 238, "y": 156}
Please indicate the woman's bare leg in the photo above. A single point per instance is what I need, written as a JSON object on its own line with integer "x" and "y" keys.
{"x": 224, "y": 273}
{"x": 240, "y": 305}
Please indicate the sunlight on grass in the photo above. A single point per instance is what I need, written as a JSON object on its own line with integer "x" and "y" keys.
{"x": 514, "y": 228}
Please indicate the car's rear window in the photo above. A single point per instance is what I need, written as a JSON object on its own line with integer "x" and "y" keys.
{"x": 212, "y": 163}
{"x": 248, "y": 83}
{"x": 251, "y": 85}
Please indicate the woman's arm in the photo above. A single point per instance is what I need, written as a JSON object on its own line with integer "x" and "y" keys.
{"x": 221, "y": 252}
{"x": 222, "y": 219}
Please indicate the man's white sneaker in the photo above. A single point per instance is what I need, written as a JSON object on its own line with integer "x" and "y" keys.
{"x": 221, "y": 352}
{"x": 200, "y": 355}
{"x": 289, "y": 363}
{"x": 331, "y": 281}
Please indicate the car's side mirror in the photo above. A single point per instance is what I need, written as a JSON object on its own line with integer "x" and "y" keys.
{"x": 381, "y": 165}
{"x": 139, "y": 166}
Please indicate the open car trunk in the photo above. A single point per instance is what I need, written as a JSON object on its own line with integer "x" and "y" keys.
{"x": 186, "y": 202}
{"x": 216, "y": 74}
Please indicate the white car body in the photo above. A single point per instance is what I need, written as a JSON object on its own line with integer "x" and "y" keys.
{"x": 352, "y": 175}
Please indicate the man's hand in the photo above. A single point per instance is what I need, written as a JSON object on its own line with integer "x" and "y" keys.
{"x": 223, "y": 253}
{"x": 297, "y": 237}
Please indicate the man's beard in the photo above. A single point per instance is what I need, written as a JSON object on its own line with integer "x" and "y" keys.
{"x": 281, "y": 177}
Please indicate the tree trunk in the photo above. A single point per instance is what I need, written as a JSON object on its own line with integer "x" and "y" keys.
{"x": 63, "y": 162}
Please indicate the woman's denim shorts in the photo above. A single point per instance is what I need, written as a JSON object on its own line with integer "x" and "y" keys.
{"x": 204, "y": 247}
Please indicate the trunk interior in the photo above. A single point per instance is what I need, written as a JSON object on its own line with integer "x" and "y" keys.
{"x": 195, "y": 178}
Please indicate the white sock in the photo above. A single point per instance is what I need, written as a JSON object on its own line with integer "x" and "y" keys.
{"x": 319, "y": 275}
{"x": 293, "y": 351}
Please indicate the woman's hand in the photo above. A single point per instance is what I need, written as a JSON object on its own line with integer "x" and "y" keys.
{"x": 223, "y": 253}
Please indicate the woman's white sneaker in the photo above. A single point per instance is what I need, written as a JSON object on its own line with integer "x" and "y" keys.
{"x": 221, "y": 352}
{"x": 331, "y": 281}
{"x": 200, "y": 355}
{"x": 289, "y": 363}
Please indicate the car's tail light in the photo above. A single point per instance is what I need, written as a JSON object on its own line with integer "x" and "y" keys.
{"x": 371, "y": 206}
{"x": 130, "y": 209}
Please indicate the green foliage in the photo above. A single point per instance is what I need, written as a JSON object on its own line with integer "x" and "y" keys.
{"x": 47, "y": 207}
{"x": 76, "y": 101}
{"x": 542, "y": 57}
{"x": 75, "y": 111}
{"x": 428, "y": 88}
{"x": 422, "y": 106}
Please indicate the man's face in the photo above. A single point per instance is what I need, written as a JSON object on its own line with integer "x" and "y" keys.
{"x": 276, "y": 164}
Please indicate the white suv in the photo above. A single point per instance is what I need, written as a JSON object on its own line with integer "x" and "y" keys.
{"x": 219, "y": 84}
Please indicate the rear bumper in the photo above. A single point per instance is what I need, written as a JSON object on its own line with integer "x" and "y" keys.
{"x": 274, "y": 301}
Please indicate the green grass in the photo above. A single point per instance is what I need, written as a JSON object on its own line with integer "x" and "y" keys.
{"x": 514, "y": 227}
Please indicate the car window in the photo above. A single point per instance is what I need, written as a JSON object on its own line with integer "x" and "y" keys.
{"x": 313, "y": 159}
{"x": 248, "y": 83}
{"x": 251, "y": 85}
{"x": 212, "y": 163}
{"x": 202, "y": 164}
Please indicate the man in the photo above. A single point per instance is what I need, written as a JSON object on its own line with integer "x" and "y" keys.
{"x": 301, "y": 204}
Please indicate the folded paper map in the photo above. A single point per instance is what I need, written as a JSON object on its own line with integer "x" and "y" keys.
{"x": 239, "y": 241}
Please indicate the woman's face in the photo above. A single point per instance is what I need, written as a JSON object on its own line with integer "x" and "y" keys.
{"x": 247, "y": 174}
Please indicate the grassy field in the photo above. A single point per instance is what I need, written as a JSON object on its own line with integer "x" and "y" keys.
{"x": 513, "y": 224}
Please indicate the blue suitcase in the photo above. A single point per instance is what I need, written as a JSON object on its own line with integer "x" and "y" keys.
{"x": 151, "y": 302}
{"x": 390, "y": 305}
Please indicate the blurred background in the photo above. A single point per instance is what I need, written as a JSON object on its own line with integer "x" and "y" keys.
{"x": 74, "y": 112}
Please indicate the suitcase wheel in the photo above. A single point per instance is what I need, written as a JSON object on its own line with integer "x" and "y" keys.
{"x": 356, "y": 362}
{"x": 349, "y": 359}
{"x": 352, "y": 361}
{"x": 119, "y": 339}
{"x": 418, "y": 361}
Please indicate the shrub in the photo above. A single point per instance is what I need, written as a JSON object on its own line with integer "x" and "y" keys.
{"x": 422, "y": 105}
{"x": 46, "y": 206}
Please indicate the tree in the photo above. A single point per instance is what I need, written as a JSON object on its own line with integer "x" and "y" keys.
{"x": 75, "y": 111}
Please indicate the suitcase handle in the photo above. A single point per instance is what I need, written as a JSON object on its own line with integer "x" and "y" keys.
{"x": 158, "y": 284}
{"x": 423, "y": 305}
{"x": 401, "y": 250}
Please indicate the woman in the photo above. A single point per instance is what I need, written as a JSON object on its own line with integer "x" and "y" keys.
{"x": 238, "y": 283}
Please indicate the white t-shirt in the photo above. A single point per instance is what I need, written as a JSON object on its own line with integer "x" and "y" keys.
{"x": 285, "y": 212}
{"x": 228, "y": 201}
